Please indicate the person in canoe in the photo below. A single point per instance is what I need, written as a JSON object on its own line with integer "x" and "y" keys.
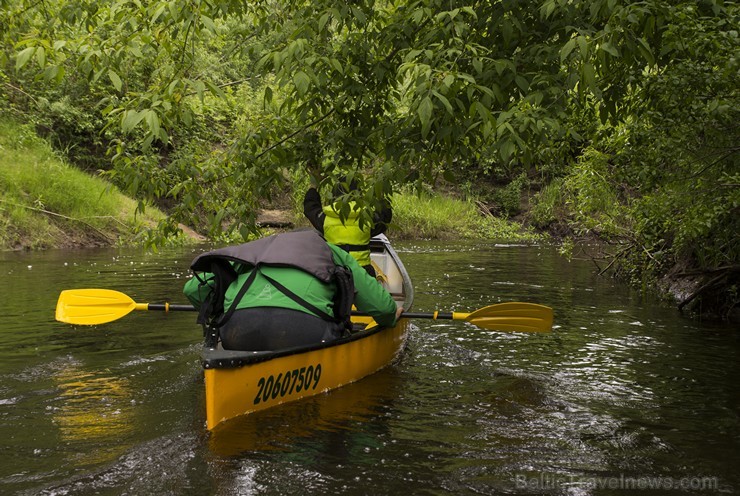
{"x": 282, "y": 291}
{"x": 351, "y": 235}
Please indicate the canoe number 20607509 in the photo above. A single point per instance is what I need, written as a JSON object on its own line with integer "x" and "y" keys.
{"x": 296, "y": 380}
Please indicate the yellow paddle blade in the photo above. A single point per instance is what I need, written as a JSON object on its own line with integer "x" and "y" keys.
{"x": 512, "y": 316}
{"x": 92, "y": 306}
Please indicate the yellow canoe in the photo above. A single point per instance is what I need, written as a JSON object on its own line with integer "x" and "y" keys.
{"x": 242, "y": 382}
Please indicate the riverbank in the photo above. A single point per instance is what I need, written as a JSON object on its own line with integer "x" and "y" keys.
{"x": 47, "y": 203}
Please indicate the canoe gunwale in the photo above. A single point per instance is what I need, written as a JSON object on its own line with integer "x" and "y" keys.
{"x": 225, "y": 359}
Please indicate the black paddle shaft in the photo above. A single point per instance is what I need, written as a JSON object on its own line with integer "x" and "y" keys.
{"x": 166, "y": 307}
{"x": 417, "y": 315}
{"x": 427, "y": 315}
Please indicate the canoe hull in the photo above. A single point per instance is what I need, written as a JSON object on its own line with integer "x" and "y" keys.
{"x": 231, "y": 392}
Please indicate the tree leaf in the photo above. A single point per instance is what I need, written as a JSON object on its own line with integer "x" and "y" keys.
{"x": 609, "y": 48}
{"x": 115, "y": 79}
{"x": 425, "y": 114}
{"x": 302, "y": 82}
{"x": 547, "y": 8}
{"x": 209, "y": 24}
{"x": 506, "y": 150}
{"x": 582, "y": 46}
{"x": 41, "y": 57}
{"x": 478, "y": 66}
{"x": 336, "y": 65}
{"x": 215, "y": 89}
{"x": 131, "y": 119}
{"x": 24, "y": 56}
{"x": 152, "y": 120}
{"x": 444, "y": 102}
{"x": 323, "y": 20}
{"x": 567, "y": 49}
{"x": 646, "y": 51}
{"x": 522, "y": 82}
{"x": 589, "y": 77}
{"x": 359, "y": 15}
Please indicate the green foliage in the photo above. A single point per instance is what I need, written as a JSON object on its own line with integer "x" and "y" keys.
{"x": 397, "y": 91}
{"x": 682, "y": 159}
{"x": 664, "y": 182}
{"x": 592, "y": 198}
{"x": 509, "y": 198}
{"x": 696, "y": 221}
{"x": 586, "y": 199}
{"x": 549, "y": 205}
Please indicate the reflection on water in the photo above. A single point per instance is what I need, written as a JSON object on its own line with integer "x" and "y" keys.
{"x": 623, "y": 389}
{"x": 94, "y": 409}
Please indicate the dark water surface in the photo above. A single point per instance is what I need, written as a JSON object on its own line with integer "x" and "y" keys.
{"x": 624, "y": 397}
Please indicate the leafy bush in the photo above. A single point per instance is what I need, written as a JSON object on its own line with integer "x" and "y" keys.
{"x": 548, "y": 205}
{"x": 508, "y": 199}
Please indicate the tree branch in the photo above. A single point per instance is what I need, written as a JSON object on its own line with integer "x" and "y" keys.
{"x": 713, "y": 282}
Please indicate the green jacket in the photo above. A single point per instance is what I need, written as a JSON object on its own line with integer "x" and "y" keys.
{"x": 370, "y": 296}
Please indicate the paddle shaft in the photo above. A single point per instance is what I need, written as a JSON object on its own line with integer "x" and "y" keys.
{"x": 165, "y": 307}
{"x": 434, "y": 315}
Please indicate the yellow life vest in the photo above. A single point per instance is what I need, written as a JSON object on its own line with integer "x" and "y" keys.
{"x": 348, "y": 236}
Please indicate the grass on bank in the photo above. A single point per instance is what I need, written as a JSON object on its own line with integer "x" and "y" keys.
{"x": 432, "y": 216}
{"x": 46, "y": 203}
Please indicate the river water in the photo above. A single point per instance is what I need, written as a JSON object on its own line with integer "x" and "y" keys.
{"x": 625, "y": 395}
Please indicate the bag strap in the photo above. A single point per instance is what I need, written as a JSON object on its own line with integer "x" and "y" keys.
{"x": 224, "y": 275}
{"x": 242, "y": 291}
{"x": 349, "y": 248}
{"x": 345, "y": 296}
{"x": 300, "y": 300}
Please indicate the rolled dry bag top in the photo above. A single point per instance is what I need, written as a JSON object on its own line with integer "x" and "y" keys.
{"x": 302, "y": 249}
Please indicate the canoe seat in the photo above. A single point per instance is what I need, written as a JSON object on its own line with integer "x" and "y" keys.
{"x": 392, "y": 279}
